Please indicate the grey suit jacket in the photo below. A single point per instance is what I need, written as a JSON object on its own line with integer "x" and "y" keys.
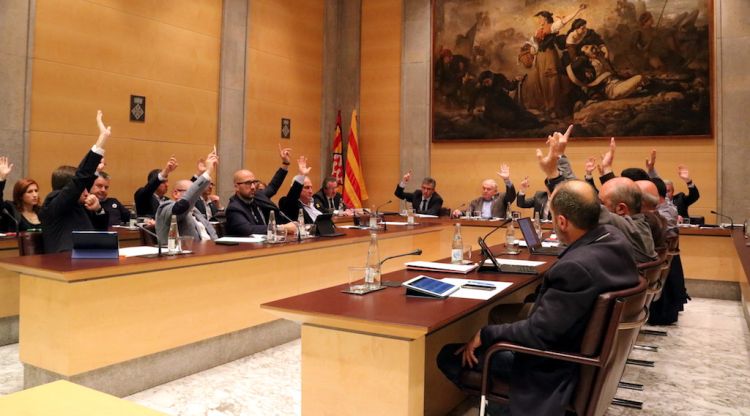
{"x": 183, "y": 208}
{"x": 500, "y": 202}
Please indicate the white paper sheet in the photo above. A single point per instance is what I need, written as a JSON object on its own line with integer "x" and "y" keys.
{"x": 522, "y": 243}
{"x": 425, "y": 216}
{"x": 475, "y": 293}
{"x": 242, "y": 239}
{"x": 400, "y": 223}
{"x": 138, "y": 251}
{"x": 441, "y": 267}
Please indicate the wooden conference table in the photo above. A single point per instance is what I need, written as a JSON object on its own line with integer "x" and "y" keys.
{"x": 83, "y": 316}
{"x": 375, "y": 354}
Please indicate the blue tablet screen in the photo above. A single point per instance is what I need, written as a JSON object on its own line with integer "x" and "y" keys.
{"x": 432, "y": 285}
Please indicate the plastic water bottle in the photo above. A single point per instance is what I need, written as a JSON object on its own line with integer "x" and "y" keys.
{"x": 457, "y": 246}
{"x": 537, "y": 225}
{"x": 173, "y": 237}
{"x": 372, "y": 275}
{"x": 301, "y": 223}
{"x": 510, "y": 237}
{"x": 271, "y": 230}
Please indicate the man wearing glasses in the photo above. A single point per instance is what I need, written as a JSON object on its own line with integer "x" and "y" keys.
{"x": 248, "y": 209}
{"x": 424, "y": 200}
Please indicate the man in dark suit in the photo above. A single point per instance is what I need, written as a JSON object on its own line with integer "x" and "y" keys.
{"x": 300, "y": 195}
{"x": 424, "y": 200}
{"x": 597, "y": 259}
{"x": 539, "y": 201}
{"x": 116, "y": 211}
{"x": 493, "y": 203}
{"x": 679, "y": 200}
{"x": 147, "y": 198}
{"x": 328, "y": 199}
{"x": 70, "y": 207}
{"x": 248, "y": 209}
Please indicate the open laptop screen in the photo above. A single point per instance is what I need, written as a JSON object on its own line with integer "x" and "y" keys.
{"x": 529, "y": 234}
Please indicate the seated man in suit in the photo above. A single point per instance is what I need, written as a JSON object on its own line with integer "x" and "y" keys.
{"x": 148, "y": 198}
{"x": 540, "y": 201}
{"x": 190, "y": 222}
{"x": 300, "y": 195}
{"x": 70, "y": 207}
{"x": 679, "y": 200}
{"x": 649, "y": 201}
{"x": 116, "y": 212}
{"x": 248, "y": 210}
{"x": 329, "y": 200}
{"x": 492, "y": 203}
{"x": 598, "y": 259}
{"x": 208, "y": 204}
{"x": 424, "y": 200}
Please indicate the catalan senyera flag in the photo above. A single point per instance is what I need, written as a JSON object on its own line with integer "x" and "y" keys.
{"x": 354, "y": 183}
{"x": 337, "y": 171}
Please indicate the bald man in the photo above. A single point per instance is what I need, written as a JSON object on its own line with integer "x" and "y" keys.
{"x": 190, "y": 222}
{"x": 249, "y": 208}
{"x": 598, "y": 259}
{"x": 657, "y": 223}
{"x": 492, "y": 203}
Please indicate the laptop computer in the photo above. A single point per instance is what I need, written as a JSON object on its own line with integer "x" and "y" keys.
{"x": 95, "y": 245}
{"x": 496, "y": 266}
{"x": 533, "y": 241}
{"x": 324, "y": 226}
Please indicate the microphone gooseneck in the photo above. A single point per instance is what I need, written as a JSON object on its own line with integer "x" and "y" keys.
{"x": 12, "y": 217}
{"x": 152, "y": 234}
{"x": 392, "y": 283}
{"x": 731, "y": 221}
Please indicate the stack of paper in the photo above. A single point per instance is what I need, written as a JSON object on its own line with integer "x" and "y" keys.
{"x": 441, "y": 267}
{"x": 242, "y": 239}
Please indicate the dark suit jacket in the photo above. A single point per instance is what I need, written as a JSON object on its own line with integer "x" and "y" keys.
{"x": 201, "y": 206}
{"x": 116, "y": 212}
{"x": 538, "y": 201}
{"x": 682, "y": 201}
{"x": 321, "y": 202}
{"x": 433, "y": 206}
{"x": 600, "y": 261}
{"x": 241, "y": 222}
{"x": 290, "y": 204}
{"x": 61, "y": 212}
{"x": 146, "y": 202}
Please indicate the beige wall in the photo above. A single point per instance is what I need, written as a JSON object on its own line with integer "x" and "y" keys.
{"x": 93, "y": 54}
{"x": 284, "y": 66}
{"x": 380, "y": 89}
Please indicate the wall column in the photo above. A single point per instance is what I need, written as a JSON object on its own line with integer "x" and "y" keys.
{"x": 415, "y": 91}
{"x": 16, "y": 46}
{"x": 232, "y": 124}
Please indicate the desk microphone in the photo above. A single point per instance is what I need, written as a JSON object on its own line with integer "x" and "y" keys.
{"x": 377, "y": 213}
{"x": 391, "y": 283}
{"x": 731, "y": 221}
{"x": 483, "y": 240}
{"x": 13, "y": 217}
{"x": 152, "y": 234}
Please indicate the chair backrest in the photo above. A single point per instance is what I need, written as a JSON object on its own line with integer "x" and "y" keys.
{"x": 30, "y": 243}
{"x": 652, "y": 272}
{"x": 602, "y": 337}
{"x": 445, "y": 212}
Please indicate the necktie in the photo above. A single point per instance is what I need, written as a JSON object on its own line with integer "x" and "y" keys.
{"x": 424, "y": 205}
{"x": 330, "y": 204}
{"x": 257, "y": 214}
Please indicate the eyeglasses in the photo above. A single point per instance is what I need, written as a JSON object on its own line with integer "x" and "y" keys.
{"x": 250, "y": 182}
{"x": 427, "y": 188}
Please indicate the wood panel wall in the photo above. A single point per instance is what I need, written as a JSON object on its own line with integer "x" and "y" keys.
{"x": 380, "y": 89}
{"x": 285, "y": 77}
{"x": 93, "y": 54}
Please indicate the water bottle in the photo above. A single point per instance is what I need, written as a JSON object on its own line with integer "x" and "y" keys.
{"x": 537, "y": 225}
{"x": 373, "y": 218}
{"x": 457, "y": 246}
{"x": 173, "y": 237}
{"x": 271, "y": 230}
{"x": 372, "y": 275}
{"x": 301, "y": 223}
{"x": 510, "y": 237}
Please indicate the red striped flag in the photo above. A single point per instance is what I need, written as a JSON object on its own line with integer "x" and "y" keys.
{"x": 354, "y": 183}
{"x": 338, "y": 155}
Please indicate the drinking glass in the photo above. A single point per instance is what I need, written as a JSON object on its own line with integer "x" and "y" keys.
{"x": 357, "y": 277}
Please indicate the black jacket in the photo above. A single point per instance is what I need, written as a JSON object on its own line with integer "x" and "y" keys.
{"x": 321, "y": 202}
{"x": 116, "y": 212}
{"x": 61, "y": 212}
{"x": 433, "y": 206}
{"x": 240, "y": 219}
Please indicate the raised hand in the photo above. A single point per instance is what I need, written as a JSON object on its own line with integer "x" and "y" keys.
{"x": 548, "y": 162}
{"x": 285, "y": 154}
{"x": 651, "y": 161}
{"x": 170, "y": 166}
{"x": 608, "y": 157}
{"x": 590, "y": 166}
{"x": 683, "y": 172}
{"x": 561, "y": 141}
{"x": 504, "y": 172}
{"x": 212, "y": 160}
{"x": 104, "y": 131}
{"x": 524, "y": 185}
{"x": 5, "y": 167}
{"x": 407, "y": 176}
{"x": 304, "y": 170}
